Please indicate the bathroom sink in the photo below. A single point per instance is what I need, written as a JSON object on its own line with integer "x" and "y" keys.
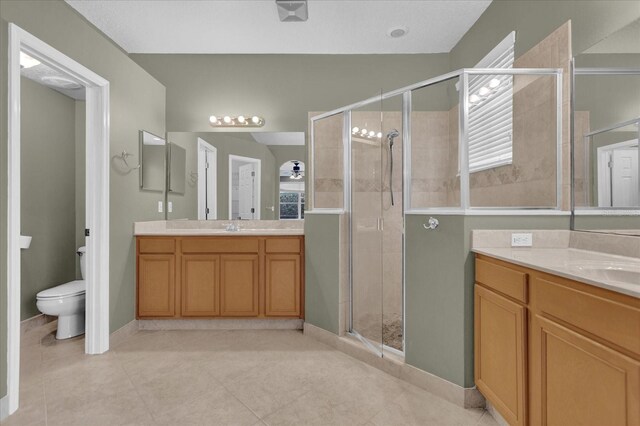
{"x": 621, "y": 272}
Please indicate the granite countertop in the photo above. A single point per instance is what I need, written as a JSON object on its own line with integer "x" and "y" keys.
{"x": 566, "y": 262}
{"x": 218, "y": 227}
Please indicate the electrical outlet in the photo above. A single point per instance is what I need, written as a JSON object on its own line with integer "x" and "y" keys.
{"x": 159, "y": 206}
{"x": 523, "y": 239}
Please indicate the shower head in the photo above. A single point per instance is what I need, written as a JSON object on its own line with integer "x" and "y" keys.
{"x": 393, "y": 133}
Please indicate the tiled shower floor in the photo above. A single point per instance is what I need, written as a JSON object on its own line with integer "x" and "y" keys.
{"x": 216, "y": 378}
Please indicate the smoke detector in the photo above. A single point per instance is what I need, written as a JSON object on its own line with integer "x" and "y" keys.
{"x": 292, "y": 10}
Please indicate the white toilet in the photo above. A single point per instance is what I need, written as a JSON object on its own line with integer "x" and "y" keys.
{"x": 66, "y": 301}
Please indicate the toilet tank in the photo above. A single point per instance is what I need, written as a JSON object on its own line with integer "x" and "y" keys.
{"x": 82, "y": 251}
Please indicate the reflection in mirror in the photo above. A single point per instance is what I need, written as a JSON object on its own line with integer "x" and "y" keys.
{"x": 292, "y": 193}
{"x": 177, "y": 162}
{"x": 152, "y": 161}
{"x": 218, "y": 173}
{"x": 606, "y": 115}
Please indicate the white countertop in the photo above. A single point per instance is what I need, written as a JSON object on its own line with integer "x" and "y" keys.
{"x": 562, "y": 261}
{"x": 218, "y": 228}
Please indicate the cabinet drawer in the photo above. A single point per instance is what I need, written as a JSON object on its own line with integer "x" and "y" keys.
{"x": 606, "y": 318}
{"x": 283, "y": 245}
{"x": 503, "y": 279}
{"x": 220, "y": 245}
{"x": 157, "y": 245}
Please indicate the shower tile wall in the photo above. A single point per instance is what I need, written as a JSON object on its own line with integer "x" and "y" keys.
{"x": 582, "y": 127}
{"x": 328, "y": 162}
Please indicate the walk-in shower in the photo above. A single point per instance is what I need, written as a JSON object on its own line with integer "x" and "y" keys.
{"x": 457, "y": 144}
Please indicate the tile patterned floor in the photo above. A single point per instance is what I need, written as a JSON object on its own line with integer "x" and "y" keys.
{"x": 217, "y": 378}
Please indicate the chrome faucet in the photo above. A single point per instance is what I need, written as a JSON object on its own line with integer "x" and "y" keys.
{"x": 232, "y": 227}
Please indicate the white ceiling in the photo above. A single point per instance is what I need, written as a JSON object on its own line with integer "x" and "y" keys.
{"x": 253, "y": 26}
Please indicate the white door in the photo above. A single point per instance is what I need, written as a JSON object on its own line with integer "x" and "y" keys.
{"x": 625, "y": 191}
{"x": 246, "y": 191}
{"x": 207, "y": 181}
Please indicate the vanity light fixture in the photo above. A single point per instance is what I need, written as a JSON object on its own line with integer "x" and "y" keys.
{"x": 485, "y": 92}
{"x": 364, "y": 133}
{"x": 239, "y": 121}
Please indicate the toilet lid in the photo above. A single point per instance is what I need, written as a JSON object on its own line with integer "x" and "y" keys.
{"x": 68, "y": 289}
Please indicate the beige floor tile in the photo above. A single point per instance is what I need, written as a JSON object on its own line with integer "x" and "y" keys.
{"x": 217, "y": 407}
{"x": 317, "y": 408}
{"x": 488, "y": 420}
{"x": 418, "y": 407}
{"x": 174, "y": 387}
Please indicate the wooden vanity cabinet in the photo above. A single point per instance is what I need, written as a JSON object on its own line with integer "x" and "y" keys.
{"x": 578, "y": 357}
{"x": 209, "y": 277}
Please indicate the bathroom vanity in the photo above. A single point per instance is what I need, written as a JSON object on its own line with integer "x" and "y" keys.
{"x": 557, "y": 342}
{"x": 213, "y": 273}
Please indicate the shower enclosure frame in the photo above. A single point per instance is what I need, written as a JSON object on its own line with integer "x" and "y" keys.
{"x": 465, "y": 207}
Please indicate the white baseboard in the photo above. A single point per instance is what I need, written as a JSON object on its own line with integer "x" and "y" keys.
{"x": 4, "y": 407}
{"x": 395, "y": 366}
{"x": 221, "y": 324}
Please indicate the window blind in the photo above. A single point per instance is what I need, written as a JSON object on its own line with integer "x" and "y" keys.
{"x": 490, "y": 122}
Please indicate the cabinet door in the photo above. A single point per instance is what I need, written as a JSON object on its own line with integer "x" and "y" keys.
{"x": 577, "y": 381}
{"x": 239, "y": 285}
{"x": 283, "y": 285}
{"x": 156, "y": 285}
{"x": 500, "y": 353}
{"x": 200, "y": 285}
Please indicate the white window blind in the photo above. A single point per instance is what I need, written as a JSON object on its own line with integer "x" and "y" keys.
{"x": 491, "y": 111}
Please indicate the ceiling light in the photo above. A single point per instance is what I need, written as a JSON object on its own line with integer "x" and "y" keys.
{"x": 397, "y": 32}
{"x": 236, "y": 121}
{"x": 27, "y": 61}
{"x": 296, "y": 173}
{"x": 292, "y": 10}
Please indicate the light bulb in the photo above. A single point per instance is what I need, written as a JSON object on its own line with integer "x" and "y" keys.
{"x": 372, "y": 134}
{"x": 494, "y": 83}
{"x": 255, "y": 119}
{"x": 363, "y": 132}
{"x": 379, "y": 135}
{"x": 227, "y": 119}
{"x": 355, "y": 129}
{"x": 213, "y": 119}
{"x": 484, "y": 91}
{"x": 474, "y": 98}
{"x": 241, "y": 119}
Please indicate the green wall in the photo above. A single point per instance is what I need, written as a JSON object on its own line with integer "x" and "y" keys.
{"x": 322, "y": 270}
{"x": 48, "y": 191}
{"x": 533, "y": 20}
{"x": 282, "y": 88}
{"x": 137, "y": 101}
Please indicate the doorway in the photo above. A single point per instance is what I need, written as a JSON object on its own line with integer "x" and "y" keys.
{"x": 207, "y": 181}
{"x": 244, "y": 188}
{"x": 618, "y": 175}
{"x": 96, "y": 198}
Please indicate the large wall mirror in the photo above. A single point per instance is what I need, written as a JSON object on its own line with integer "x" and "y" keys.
{"x": 606, "y": 130}
{"x": 238, "y": 175}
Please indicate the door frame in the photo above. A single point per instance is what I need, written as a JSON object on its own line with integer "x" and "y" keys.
{"x": 604, "y": 172}
{"x": 202, "y": 196}
{"x": 257, "y": 183}
{"x": 97, "y": 199}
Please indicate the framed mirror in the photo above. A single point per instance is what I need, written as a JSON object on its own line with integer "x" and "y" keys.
{"x": 152, "y": 161}
{"x": 229, "y": 174}
{"x": 606, "y": 131}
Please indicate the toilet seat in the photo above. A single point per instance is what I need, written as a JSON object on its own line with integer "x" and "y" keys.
{"x": 72, "y": 288}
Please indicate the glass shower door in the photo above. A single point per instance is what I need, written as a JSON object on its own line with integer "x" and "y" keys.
{"x": 366, "y": 225}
